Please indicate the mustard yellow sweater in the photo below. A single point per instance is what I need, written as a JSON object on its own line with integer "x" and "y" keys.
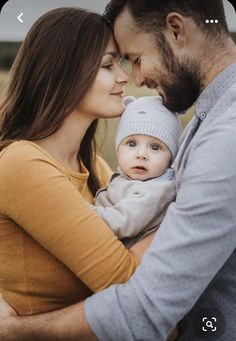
{"x": 54, "y": 250}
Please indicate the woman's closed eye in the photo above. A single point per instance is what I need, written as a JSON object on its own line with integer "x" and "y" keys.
{"x": 108, "y": 66}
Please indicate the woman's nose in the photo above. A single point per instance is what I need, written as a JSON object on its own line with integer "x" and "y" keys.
{"x": 123, "y": 76}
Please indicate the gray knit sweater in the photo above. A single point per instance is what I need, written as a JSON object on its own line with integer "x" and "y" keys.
{"x": 131, "y": 207}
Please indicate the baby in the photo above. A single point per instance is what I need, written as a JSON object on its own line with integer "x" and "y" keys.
{"x": 135, "y": 201}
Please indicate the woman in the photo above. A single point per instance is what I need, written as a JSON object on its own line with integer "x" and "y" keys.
{"x": 54, "y": 250}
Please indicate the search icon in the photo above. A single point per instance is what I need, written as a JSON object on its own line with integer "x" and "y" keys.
{"x": 209, "y": 324}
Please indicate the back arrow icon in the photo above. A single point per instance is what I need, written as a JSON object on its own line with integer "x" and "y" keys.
{"x": 19, "y": 17}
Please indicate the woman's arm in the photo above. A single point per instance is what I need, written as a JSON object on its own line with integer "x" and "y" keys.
{"x": 38, "y": 197}
{"x": 140, "y": 247}
{"x": 66, "y": 324}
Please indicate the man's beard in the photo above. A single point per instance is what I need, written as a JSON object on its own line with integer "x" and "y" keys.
{"x": 181, "y": 82}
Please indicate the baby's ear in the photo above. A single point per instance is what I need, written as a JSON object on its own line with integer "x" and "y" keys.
{"x": 127, "y": 100}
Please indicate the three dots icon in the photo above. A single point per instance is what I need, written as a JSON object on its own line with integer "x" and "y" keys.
{"x": 211, "y": 21}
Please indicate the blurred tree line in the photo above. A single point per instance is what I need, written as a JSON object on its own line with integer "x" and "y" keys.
{"x": 8, "y": 52}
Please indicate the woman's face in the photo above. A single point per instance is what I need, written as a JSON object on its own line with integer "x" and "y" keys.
{"x": 105, "y": 97}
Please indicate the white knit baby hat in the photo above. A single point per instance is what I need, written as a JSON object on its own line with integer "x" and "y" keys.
{"x": 148, "y": 116}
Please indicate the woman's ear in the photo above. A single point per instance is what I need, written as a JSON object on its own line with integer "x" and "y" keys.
{"x": 127, "y": 100}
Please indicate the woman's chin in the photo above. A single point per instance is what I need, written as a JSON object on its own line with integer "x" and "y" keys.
{"x": 116, "y": 111}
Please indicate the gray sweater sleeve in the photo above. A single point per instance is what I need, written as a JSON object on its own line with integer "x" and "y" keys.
{"x": 142, "y": 208}
{"x": 194, "y": 241}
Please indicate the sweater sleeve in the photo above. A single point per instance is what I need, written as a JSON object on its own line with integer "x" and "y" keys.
{"x": 141, "y": 209}
{"x": 38, "y": 197}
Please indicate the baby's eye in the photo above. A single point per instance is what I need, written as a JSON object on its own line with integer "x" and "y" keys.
{"x": 131, "y": 144}
{"x": 155, "y": 147}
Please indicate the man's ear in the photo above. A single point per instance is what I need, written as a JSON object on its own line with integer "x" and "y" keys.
{"x": 176, "y": 29}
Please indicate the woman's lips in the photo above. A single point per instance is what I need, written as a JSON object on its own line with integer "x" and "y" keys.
{"x": 121, "y": 94}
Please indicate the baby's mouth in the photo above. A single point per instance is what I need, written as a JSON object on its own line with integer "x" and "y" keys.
{"x": 139, "y": 168}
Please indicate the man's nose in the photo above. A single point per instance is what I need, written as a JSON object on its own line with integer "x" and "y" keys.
{"x": 138, "y": 78}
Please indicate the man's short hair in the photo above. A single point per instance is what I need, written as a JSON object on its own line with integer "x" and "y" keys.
{"x": 151, "y": 15}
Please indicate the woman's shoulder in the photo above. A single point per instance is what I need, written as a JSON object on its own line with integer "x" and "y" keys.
{"x": 22, "y": 155}
{"x": 21, "y": 148}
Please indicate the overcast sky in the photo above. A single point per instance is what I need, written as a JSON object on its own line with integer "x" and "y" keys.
{"x": 12, "y": 30}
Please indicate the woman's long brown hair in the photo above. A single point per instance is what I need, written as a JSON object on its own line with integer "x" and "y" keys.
{"x": 54, "y": 68}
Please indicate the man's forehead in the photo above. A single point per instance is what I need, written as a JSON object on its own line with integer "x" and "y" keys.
{"x": 126, "y": 31}
{"x": 125, "y": 21}
{"x": 129, "y": 52}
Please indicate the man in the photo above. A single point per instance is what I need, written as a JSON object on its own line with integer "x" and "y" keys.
{"x": 189, "y": 272}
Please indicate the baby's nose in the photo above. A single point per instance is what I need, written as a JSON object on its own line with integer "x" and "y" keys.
{"x": 141, "y": 155}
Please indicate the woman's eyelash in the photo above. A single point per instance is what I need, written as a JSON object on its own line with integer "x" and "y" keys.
{"x": 108, "y": 66}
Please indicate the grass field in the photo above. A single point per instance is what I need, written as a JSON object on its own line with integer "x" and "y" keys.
{"x": 3, "y": 80}
{"x": 105, "y": 135}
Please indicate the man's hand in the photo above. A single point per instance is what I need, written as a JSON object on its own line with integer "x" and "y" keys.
{"x": 7, "y": 314}
{"x": 66, "y": 324}
{"x": 5, "y": 309}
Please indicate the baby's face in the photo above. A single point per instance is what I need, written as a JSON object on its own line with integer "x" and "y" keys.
{"x": 143, "y": 157}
